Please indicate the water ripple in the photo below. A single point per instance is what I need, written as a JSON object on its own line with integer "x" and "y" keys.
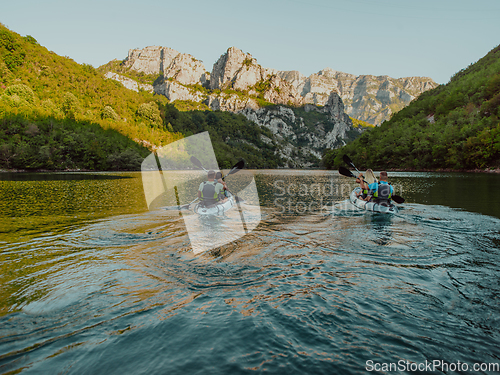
{"x": 316, "y": 293}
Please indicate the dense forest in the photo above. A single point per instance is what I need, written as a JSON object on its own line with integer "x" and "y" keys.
{"x": 56, "y": 114}
{"x": 454, "y": 126}
{"x": 233, "y": 136}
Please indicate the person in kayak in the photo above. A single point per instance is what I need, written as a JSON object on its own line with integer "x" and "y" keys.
{"x": 218, "y": 178}
{"x": 364, "y": 187}
{"x": 211, "y": 192}
{"x": 381, "y": 192}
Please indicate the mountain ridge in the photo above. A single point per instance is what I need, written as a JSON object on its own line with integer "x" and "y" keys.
{"x": 366, "y": 97}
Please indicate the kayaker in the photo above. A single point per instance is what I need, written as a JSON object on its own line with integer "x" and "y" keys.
{"x": 218, "y": 177}
{"x": 381, "y": 192}
{"x": 363, "y": 194}
{"x": 211, "y": 191}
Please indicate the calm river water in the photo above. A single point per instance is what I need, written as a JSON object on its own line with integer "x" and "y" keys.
{"x": 92, "y": 282}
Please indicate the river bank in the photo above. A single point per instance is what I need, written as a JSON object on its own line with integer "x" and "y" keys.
{"x": 488, "y": 170}
{"x": 59, "y": 171}
{"x": 440, "y": 170}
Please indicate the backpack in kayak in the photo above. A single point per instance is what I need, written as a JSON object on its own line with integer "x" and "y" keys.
{"x": 208, "y": 194}
{"x": 383, "y": 194}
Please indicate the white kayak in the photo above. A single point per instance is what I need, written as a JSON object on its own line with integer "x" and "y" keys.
{"x": 371, "y": 206}
{"x": 217, "y": 209}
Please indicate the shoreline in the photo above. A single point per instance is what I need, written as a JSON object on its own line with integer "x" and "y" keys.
{"x": 489, "y": 171}
{"x": 494, "y": 171}
{"x": 58, "y": 171}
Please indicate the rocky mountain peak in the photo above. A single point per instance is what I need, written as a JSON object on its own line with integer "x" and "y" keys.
{"x": 240, "y": 71}
{"x": 181, "y": 67}
{"x": 230, "y": 68}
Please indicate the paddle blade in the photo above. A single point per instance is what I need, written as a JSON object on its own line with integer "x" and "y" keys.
{"x": 345, "y": 172}
{"x": 196, "y": 162}
{"x": 397, "y": 199}
{"x": 347, "y": 160}
{"x": 238, "y": 166}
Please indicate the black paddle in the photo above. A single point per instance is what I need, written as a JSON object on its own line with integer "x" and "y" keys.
{"x": 237, "y": 167}
{"x": 397, "y": 199}
{"x": 346, "y": 172}
{"x": 196, "y": 162}
{"x": 348, "y": 161}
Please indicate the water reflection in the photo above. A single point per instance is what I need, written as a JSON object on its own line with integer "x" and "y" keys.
{"x": 474, "y": 192}
{"x": 301, "y": 192}
{"x": 61, "y": 176}
{"x": 41, "y": 205}
{"x": 94, "y": 282}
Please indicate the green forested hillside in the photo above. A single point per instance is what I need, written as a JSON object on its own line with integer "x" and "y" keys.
{"x": 233, "y": 136}
{"x": 454, "y": 126}
{"x": 57, "y": 114}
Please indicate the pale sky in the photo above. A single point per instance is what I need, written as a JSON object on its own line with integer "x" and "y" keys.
{"x": 398, "y": 38}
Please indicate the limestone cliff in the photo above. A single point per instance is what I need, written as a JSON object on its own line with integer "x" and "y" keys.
{"x": 230, "y": 102}
{"x": 369, "y": 98}
{"x": 181, "y": 67}
{"x": 306, "y": 131}
{"x": 239, "y": 71}
{"x": 173, "y": 90}
{"x": 237, "y": 81}
{"x": 129, "y": 83}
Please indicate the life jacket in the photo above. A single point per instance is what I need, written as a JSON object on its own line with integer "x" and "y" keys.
{"x": 383, "y": 193}
{"x": 208, "y": 193}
